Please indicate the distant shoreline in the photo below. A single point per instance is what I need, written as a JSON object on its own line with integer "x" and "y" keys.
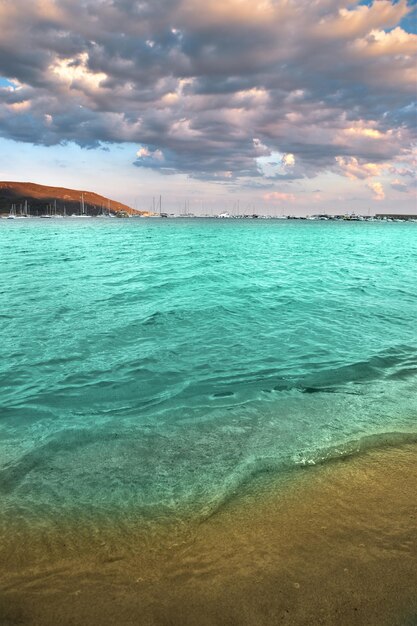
{"x": 330, "y": 218}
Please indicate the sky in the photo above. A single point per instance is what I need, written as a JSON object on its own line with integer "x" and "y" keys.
{"x": 269, "y": 106}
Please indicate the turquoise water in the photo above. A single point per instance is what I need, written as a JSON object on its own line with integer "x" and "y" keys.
{"x": 157, "y": 365}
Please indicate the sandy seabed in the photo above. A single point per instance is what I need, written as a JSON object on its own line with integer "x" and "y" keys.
{"x": 332, "y": 544}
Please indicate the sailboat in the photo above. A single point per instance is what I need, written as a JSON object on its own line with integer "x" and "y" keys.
{"x": 102, "y": 212}
{"x": 12, "y": 214}
{"x": 161, "y": 214}
{"x": 108, "y": 209}
{"x": 48, "y": 214}
{"x": 23, "y": 212}
{"x": 82, "y": 208}
{"x": 55, "y": 213}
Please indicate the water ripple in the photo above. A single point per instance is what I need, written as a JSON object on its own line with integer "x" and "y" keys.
{"x": 159, "y": 363}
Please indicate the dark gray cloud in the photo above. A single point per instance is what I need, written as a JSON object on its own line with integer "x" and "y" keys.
{"x": 210, "y": 87}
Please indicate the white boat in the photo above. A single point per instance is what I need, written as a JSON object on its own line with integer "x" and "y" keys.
{"x": 103, "y": 214}
{"x": 48, "y": 215}
{"x": 12, "y": 214}
{"x": 82, "y": 214}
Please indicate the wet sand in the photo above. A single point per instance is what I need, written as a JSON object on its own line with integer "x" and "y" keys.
{"x": 332, "y": 545}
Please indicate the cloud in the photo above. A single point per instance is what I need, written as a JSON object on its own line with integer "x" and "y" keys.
{"x": 278, "y": 196}
{"x": 288, "y": 160}
{"x": 74, "y": 73}
{"x": 276, "y": 165}
{"x": 354, "y": 169}
{"x": 17, "y": 107}
{"x": 377, "y": 189}
{"x": 216, "y": 89}
{"x": 146, "y": 155}
{"x": 398, "y": 185}
{"x": 406, "y": 172}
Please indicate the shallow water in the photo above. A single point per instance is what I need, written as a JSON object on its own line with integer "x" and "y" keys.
{"x": 330, "y": 544}
{"x": 157, "y": 366}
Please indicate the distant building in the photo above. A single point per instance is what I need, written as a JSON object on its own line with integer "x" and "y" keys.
{"x": 395, "y": 216}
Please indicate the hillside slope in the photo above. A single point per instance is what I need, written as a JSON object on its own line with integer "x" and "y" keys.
{"x": 39, "y": 197}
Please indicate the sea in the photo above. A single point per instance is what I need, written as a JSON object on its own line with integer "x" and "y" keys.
{"x": 156, "y": 367}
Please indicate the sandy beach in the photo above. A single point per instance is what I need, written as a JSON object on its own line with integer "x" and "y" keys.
{"x": 331, "y": 544}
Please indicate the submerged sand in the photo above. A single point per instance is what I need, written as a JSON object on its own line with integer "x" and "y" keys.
{"x": 333, "y": 545}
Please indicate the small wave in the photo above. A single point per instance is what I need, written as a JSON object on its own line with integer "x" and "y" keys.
{"x": 327, "y": 390}
{"x": 388, "y": 363}
{"x": 250, "y": 469}
{"x": 167, "y": 316}
{"x": 355, "y": 447}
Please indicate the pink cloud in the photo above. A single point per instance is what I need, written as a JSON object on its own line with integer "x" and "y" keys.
{"x": 279, "y": 196}
{"x": 353, "y": 169}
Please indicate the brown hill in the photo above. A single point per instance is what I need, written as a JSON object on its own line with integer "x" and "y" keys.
{"x": 41, "y": 199}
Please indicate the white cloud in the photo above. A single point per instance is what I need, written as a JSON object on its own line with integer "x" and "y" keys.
{"x": 288, "y": 160}
{"x": 377, "y": 189}
{"x": 145, "y": 153}
{"x": 74, "y": 72}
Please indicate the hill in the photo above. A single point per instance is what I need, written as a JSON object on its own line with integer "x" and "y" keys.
{"x": 42, "y": 199}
